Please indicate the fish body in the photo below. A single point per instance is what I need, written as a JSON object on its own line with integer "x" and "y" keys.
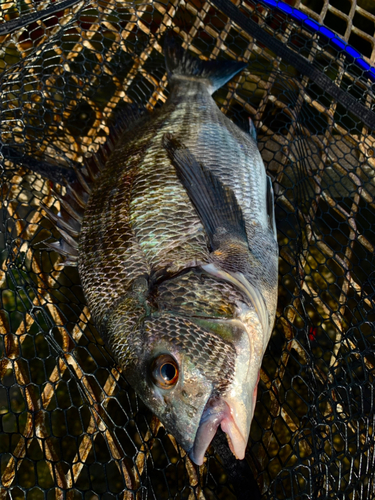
{"x": 177, "y": 255}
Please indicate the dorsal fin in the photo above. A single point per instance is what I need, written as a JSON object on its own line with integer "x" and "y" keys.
{"x": 72, "y": 205}
{"x": 122, "y": 126}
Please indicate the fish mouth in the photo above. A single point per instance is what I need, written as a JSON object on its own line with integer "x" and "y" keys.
{"x": 218, "y": 413}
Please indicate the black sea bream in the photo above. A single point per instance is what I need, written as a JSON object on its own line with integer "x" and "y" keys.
{"x": 173, "y": 232}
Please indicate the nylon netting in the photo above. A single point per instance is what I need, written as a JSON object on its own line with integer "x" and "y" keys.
{"x": 71, "y": 427}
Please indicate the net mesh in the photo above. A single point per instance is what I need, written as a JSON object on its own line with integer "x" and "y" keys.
{"x": 71, "y": 427}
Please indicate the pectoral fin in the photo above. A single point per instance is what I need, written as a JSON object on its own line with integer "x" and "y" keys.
{"x": 216, "y": 204}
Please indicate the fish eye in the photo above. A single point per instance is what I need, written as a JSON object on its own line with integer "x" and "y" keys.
{"x": 165, "y": 371}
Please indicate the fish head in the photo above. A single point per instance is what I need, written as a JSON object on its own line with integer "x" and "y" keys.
{"x": 175, "y": 371}
{"x": 196, "y": 374}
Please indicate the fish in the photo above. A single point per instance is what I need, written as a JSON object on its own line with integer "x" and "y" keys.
{"x": 172, "y": 227}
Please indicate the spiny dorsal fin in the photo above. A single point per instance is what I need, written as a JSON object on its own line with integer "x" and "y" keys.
{"x": 121, "y": 127}
{"x": 68, "y": 224}
{"x": 46, "y": 166}
{"x": 70, "y": 253}
{"x": 73, "y": 204}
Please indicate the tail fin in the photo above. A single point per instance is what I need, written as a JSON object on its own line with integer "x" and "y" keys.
{"x": 179, "y": 62}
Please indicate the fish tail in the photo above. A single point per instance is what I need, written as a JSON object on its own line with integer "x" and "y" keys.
{"x": 181, "y": 63}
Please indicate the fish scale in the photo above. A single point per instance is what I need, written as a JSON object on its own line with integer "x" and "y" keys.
{"x": 184, "y": 293}
{"x": 110, "y": 255}
{"x": 178, "y": 258}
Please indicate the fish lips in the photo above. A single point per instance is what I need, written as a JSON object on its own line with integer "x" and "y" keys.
{"x": 216, "y": 413}
{"x": 233, "y": 410}
{"x": 222, "y": 412}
